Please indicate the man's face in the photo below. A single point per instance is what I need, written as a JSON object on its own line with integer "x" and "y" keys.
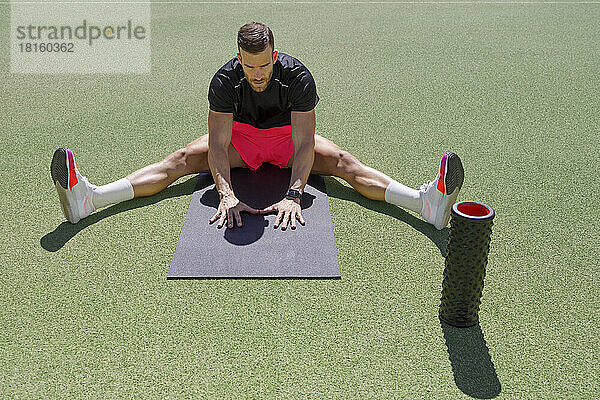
{"x": 258, "y": 68}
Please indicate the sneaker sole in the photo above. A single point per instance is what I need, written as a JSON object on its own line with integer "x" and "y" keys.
{"x": 59, "y": 169}
{"x": 453, "y": 180}
{"x": 60, "y": 176}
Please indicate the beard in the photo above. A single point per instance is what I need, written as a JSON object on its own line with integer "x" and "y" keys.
{"x": 262, "y": 85}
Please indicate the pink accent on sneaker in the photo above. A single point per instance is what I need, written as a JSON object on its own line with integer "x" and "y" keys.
{"x": 71, "y": 165}
{"x": 441, "y": 186}
{"x": 427, "y": 211}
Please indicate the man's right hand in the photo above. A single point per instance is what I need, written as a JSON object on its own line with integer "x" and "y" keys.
{"x": 229, "y": 209}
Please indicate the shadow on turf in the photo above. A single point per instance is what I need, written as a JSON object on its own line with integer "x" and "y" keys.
{"x": 56, "y": 239}
{"x": 272, "y": 183}
{"x": 340, "y": 191}
{"x": 472, "y": 366}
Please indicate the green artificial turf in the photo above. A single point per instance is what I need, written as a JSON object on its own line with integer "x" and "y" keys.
{"x": 87, "y": 311}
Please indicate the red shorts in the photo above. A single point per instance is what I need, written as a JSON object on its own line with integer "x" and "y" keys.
{"x": 257, "y": 146}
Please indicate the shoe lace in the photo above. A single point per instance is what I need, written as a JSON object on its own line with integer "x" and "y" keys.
{"x": 426, "y": 186}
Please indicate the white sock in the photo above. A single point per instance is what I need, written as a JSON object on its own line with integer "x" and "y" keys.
{"x": 403, "y": 196}
{"x": 112, "y": 193}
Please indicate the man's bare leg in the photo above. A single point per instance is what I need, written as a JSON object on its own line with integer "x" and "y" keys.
{"x": 331, "y": 160}
{"x": 433, "y": 201}
{"x": 79, "y": 198}
{"x": 191, "y": 159}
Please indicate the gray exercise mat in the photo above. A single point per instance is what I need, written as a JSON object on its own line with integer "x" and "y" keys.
{"x": 256, "y": 250}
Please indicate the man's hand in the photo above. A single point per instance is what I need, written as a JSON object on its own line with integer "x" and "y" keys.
{"x": 287, "y": 209}
{"x": 229, "y": 209}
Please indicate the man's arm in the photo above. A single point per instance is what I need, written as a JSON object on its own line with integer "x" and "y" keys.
{"x": 303, "y": 136}
{"x": 219, "y": 138}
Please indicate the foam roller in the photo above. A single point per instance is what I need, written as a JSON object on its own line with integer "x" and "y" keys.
{"x": 466, "y": 260}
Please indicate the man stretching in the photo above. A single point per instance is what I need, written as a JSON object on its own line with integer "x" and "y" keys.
{"x": 262, "y": 110}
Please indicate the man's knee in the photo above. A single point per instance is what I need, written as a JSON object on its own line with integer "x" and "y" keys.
{"x": 346, "y": 163}
{"x": 177, "y": 163}
{"x": 339, "y": 163}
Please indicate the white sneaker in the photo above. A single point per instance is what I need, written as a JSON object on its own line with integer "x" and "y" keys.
{"x": 74, "y": 190}
{"x": 439, "y": 196}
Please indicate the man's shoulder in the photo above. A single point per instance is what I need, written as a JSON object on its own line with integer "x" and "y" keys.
{"x": 292, "y": 69}
{"x": 290, "y": 63}
{"x": 231, "y": 72}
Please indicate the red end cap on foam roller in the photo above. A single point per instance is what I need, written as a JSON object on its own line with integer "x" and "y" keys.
{"x": 473, "y": 210}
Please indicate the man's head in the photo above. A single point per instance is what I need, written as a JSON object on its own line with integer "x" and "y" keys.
{"x": 256, "y": 54}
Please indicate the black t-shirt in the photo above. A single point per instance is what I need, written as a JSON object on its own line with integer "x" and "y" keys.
{"x": 292, "y": 88}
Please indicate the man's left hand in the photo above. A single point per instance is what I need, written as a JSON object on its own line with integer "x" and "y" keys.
{"x": 287, "y": 210}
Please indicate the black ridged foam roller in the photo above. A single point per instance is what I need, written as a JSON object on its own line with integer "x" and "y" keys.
{"x": 467, "y": 257}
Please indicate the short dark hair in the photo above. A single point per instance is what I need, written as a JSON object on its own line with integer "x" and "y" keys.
{"x": 254, "y": 37}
